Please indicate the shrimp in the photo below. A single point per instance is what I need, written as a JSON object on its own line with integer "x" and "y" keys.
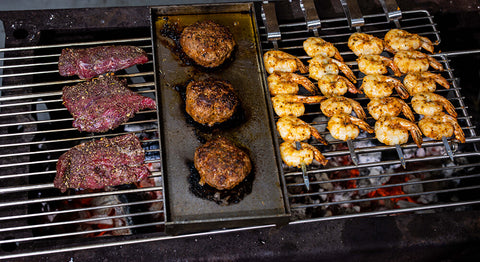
{"x": 430, "y": 104}
{"x": 291, "y": 128}
{"x": 441, "y": 125}
{"x": 322, "y": 65}
{"x": 376, "y": 65}
{"x": 422, "y": 82}
{"x": 279, "y": 61}
{"x": 389, "y": 106}
{"x": 415, "y": 61}
{"x": 294, "y": 157}
{"x": 293, "y": 105}
{"x": 341, "y": 105}
{"x": 336, "y": 85}
{"x": 314, "y": 46}
{"x": 285, "y": 83}
{"x": 395, "y": 131}
{"x": 401, "y": 40}
{"x": 365, "y": 44}
{"x": 345, "y": 127}
{"x": 377, "y": 86}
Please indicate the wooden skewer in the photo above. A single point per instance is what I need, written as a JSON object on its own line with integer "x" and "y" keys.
{"x": 401, "y": 156}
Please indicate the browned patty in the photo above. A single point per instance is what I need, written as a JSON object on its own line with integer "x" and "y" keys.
{"x": 207, "y": 43}
{"x": 221, "y": 164}
{"x": 211, "y": 101}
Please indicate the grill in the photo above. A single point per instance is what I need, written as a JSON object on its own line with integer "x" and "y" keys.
{"x": 36, "y": 130}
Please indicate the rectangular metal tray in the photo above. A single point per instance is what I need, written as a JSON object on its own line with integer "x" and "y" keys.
{"x": 186, "y": 212}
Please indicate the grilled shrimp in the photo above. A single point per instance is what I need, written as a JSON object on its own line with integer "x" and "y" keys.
{"x": 284, "y": 83}
{"x": 344, "y": 127}
{"x": 314, "y": 46}
{"x": 389, "y": 106}
{"x": 401, "y": 40}
{"x": 394, "y": 131}
{"x": 279, "y": 61}
{"x": 293, "y": 105}
{"x": 430, "y": 104}
{"x": 441, "y": 125}
{"x": 291, "y": 128}
{"x": 377, "y": 86}
{"x": 376, "y": 65}
{"x": 294, "y": 157}
{"x": 341, "y": 105}
{"x": 415, "y": 61}
{"x": 365, "y": 44}
{"x": 424, "y": 82}
{"x": 336, "y": 85}
{"x": 323, "y": 65}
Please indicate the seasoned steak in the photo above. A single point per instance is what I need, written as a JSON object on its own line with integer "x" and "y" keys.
{"x": 221, "y": 164}
{"x": 102, "y": 104}
{"x": 100, "y": 163}
{"x": 207, "y": 43}
{"x": 94, "y": 61}
{"x": 211, "y": 101}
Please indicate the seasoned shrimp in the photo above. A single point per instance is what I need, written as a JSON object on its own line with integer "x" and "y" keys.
{"x": 292, "y": 128}
{"x": 441, "y": 125}
{"x": 376, "y": 65}
{"x": 279, "y": 61}
{"x": 323, "y": 65}
{"x": 394, "y": 131}
{"x": 344, "y": 127}
{"x": 294, "y": 157}
{"x": 377, "y": 86}
{"x": 341, "y": 105}
{"x": 430, "y": 104}
{"x": 314, "y": 46}
{"x": 293, "y": 105}
{"x": 365, "y": 44}
{"x": 415, "y": 61}
{"x": 422, "y": 82}
{"x": 336, "y": 85}
{"x": 284, "y": 83}
{"x": 401, "y": 40}
{"x": 389, "y": 106}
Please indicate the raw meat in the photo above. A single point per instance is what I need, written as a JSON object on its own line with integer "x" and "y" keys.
{"x": 94, "y": 61}
{"x": 100, "y": 163}
{"x": 102, "y": 104}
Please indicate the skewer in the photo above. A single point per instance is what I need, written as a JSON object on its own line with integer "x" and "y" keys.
{"x": 304, "y": 168}
{"x": 352, "y": 152}
{"x": 447, "y": 147}
{"x": 401, "y": 156}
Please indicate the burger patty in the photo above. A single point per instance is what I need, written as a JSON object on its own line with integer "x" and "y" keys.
{"x": 207, "y": 43}
{"x": 211, "y": 101}
{"x": 221, "y": 164}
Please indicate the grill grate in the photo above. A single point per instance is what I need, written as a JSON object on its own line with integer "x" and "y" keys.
{"x": 36, "y": 130}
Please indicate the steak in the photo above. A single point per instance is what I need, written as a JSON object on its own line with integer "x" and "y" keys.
{"x": 100, "y": 163}
{"x": 102, "y": 104}
{"x": 94, "y": 61}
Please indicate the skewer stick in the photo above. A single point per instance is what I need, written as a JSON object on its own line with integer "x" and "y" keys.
{"x": 401, "y": 156}
{"x": 304, "y": 168}
{"x": 352, "y": 152}
{"x": 447, "y": 147}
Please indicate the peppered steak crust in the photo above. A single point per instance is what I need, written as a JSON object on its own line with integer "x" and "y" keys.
{"x": 100, "y": 163}
{"x": 94, "y": 61}
{"x": 207, "y": 43}
{"x": 103, "y": 104}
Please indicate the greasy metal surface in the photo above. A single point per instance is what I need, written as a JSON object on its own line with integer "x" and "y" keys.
{"x": 185, "y": 211}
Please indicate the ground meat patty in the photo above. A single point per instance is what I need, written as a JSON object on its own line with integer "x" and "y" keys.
{"x": 221, "y": 164}
{"x": 100, "y": 163}
{"x": 207, "y": 43}
{"x": 211, "y": 101}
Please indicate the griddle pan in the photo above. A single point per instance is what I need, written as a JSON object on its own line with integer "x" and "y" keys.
{"x": 186, "y": 212}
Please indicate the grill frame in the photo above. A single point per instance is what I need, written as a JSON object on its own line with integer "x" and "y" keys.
{"x": 158, "y": 238}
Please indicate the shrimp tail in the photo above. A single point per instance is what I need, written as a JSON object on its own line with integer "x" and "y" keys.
{"x": 351, "y": 87}
{"x": 448, "y": 106}
{"x": 318, "y": 136}
{"x": 358, "y": 109}
{"x": 457, "y": 129}
{"x": 416, "y": 135}
{"x": 407, "y": 112}
{"x": 346, "y": 70}
{"x": 317, "y": 155}
{"x": 427, "y": 44}
{"x": 301, "y": 67}
{"x": 393, "y": 66}
{"x": 434, "y": 63}
{"x": 338, "y": 56}
{"x": 305, "y": 82}
{"x": 441, "y": 81}
{"x": 362, "y": 124}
